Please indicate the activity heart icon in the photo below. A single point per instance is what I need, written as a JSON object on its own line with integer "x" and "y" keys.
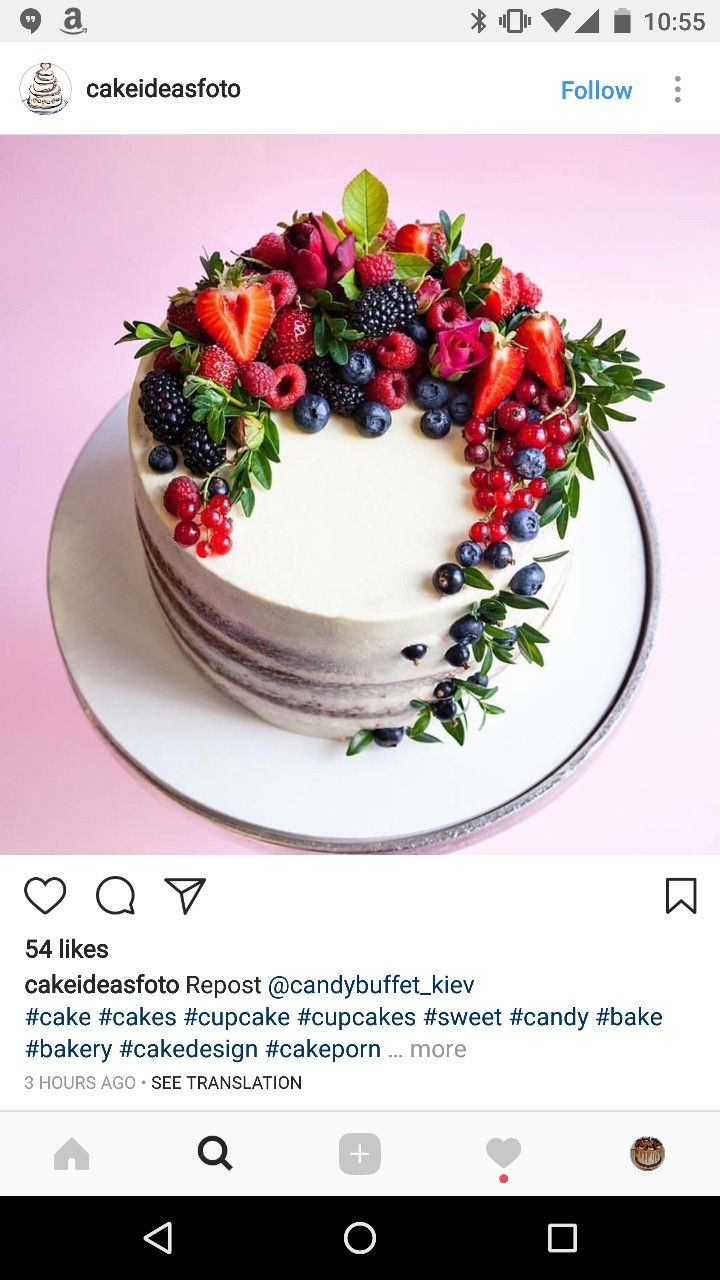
{"x": 503, "y": 1152}
{"x": 45, "y": 895}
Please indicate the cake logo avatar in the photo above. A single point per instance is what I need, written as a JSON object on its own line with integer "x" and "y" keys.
{"x": 45, "y": 88}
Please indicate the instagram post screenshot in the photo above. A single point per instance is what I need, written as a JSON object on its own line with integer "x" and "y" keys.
{"x": 359, "y": 835}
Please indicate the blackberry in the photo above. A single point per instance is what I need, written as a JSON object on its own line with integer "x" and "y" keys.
{"x": 163, "y": 406}
{"x": 325, "y": 381}
{"x": 200, "y": 454}
{"x": 383, "y": 309}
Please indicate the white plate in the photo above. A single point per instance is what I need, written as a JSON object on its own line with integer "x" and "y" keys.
{"x": 160, "y": 714}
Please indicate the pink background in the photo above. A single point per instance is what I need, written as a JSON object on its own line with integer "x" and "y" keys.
{"x": 97, "y": 230}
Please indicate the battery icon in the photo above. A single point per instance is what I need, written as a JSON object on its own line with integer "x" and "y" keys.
{"x": 515, "y": 21}
{"x": 623, "y": 22}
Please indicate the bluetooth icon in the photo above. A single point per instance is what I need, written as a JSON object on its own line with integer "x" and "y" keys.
{"x": 478, "y": 24}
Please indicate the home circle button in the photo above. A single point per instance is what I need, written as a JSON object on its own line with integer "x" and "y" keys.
{"x": 360, "y": 1237}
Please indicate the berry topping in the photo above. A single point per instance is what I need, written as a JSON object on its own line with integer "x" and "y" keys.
{"x": 539, "y": 487}
{"x": 529, "y": 463}
{"x": 383, "y": 309}
{"x": 458, "y": 655}
{"x": 270, "y": 250}
{"x": 467, "y": 630}
{"x": 530, "y": 294}
{"x": 448, "y": 579}
{"x": 431, "y": 393}
{"x": 527, "y": 391}
{"x": 476, "y": 454}
{"x": 373, "y": 419}
{"x": 283, "y": 288}
{"x": 446, "y": 313}
{"x": 163, "y": 406}
{"x": 511, "y": 415}
{"x": 201, "y": 454}
{"x": 181, "y": 489}
{"x": 446, "y": 708}
{"x": 498, "y": 555}
{"x": 532, "y": 436}
{"x": 478, "y": 679}
{"x": 162, "y": 459}
{"x": 460, "y": 407}
{"x": 257, "y": 379}
{"x": 239, "y": 319}
{"x": 414, "y": 652}
{"x": 203, "y": 549}
{"x": 291, "y": 341}
{"x": 186, "y": 533}
{"x": 396, "y": 351}
{"x": 423, "y": 238}
{"x": 435, "y": 423}
{"x": 475, "y": 431}
{"x": 218, "y": 365}
{"x": 182, "y": 314}
{"x": 211, "y": 518}
{"x": 502, "y": 298}
{"x": 220, "y": 501}
{"x": 528, "y": 580}
{"x": 559, "y": 429}
{"x": 555, "y": 456}
{"x": 289, "y": 386}
{"x": 376, "y": 268}
{"x": 445, "y": 689}
{"x": 360, "y": 368}
{"x": 524, "y": 525}
{"x": 322, "y": 376}
{"x": 542, "y": 338}
{"x": 166, "y": 360}
{"x": 505, "y": 449}
{"x": 418, "y": 331}
{"x": 497, "y": 376}
{"x": 480, "y": 531}
{"x": 509, "y": 640}
{"x": 311, "y": 413}
{"x": 388, "y": 737}
{"x": 389, "y": 387}
{"x": 498, "y": 531}
{"x": 522, "y": 498}
{"x": 469, "y": 554}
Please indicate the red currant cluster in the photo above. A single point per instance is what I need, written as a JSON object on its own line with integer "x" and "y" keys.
{"x": 207, "y": 527}
{"x": 531, "y": 420}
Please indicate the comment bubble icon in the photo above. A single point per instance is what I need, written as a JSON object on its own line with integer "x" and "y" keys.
{"x": 116, "y": 896}
{"x": 30, "y": 19}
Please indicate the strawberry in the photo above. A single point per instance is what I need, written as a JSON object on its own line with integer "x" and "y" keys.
{"x": 423, "y": 238}
{"x": 218, "y": 365}
{"x": 530, "y": 294}
{"x": 238, "y": 319}
{"x": 455, "y": 274}
{"x": 543, "y": 340}
{"x": 290, "y": 384}
{"x": 503, "y": 297}
{"x": 181, "y": 314}
{"x": 497, "y": 376}
{"x": 271, "y": 250}
{"x": 292, "y": 338}
{"x": 166, "y": 360}
{"x": 257, "y": 379}
{"x": 376, "y": 268}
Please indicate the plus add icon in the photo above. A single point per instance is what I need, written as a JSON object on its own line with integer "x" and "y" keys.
{"x": 360, "y": 1153}
{"x": 478, "y": 21}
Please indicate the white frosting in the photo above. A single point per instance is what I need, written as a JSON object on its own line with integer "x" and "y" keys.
{"x": 335, "y": 568}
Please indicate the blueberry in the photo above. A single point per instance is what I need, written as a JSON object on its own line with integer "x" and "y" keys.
{"x": 524, "y": 525}
{"x": 467, "y": 630}
{"x": 460, "y": 408}
{"x": 414, "y": 652}
{"x": 431, "y": 393}
{"x": 529, "y": 463}
{"x": 218, "y": 488}
{"x": 418, "y": 331}
{"x": 511, "y": 639}
{"x": 388, "y": 737}
{"x": 446, "y": 709}
{"x": 162, "y": 458}
{"x": 458, "y": 655}
{"x": 373, "y": 419}
{"x": 468, "y": 554}
{"x": 448, "y": 579}
{"x": 478, "y": 679}
{"x": 498, "y": 555}
{"x": 534, "y": 415}
{"x": 445, "y": 689}
{"x": 360, "y": 368}
{"x": 435, "y": 423}
{"x": 528, "y": 580}
{"x": 311, "y": 413}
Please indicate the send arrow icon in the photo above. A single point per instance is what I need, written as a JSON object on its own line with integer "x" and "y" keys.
{"x": 160, "y": 1238}
{"x": 188, "y": 890}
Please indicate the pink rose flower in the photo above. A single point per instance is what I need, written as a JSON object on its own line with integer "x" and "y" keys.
{"x": 316, "y": 257}
{"x": 460, "y": 349}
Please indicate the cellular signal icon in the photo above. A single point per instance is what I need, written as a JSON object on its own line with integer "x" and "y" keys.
{"x": 515, "y": 21}
{"x": 556, "y": 18}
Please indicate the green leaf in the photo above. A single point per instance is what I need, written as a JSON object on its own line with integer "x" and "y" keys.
{"x": 474, "y": 578}
{"x": 421, "y": 723}
{"x": 332, "y": 225}
{"x": 408, "y": 266}
{"x": 597, "y": 413}
{"x": 563, "y": 521}
{"x": 456, "y": 730}
{"x": 521, "y": 602}
{"x": 557, "y": 555}
{"x": 617, "y": 416}
{"x": 269, "y": 449}
{"x": 536, "y": 636}
{"x": 551, "y": 513}
{"x": 574, "y": 496}
{"x": 359, "y": 742}
{"x": 584, "y": 461}
{"x": 349, "y": 285}
{"x": 490, "y": 709}
{"x": 247, "y": 501}
{"x": 422, "y": 737}
{"x": 338, "y": 351}
{"x": 365, "y": 206}
{"x": 261, "y": 469}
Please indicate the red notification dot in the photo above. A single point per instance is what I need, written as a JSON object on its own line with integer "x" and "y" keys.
{"x": 503, "y": 1177}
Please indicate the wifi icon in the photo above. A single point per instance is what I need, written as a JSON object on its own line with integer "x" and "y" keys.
{"x": 556, "y": 18}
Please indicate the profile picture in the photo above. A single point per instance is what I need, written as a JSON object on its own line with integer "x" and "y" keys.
{"x": 647, "y": 1153}
{"x": 45, "y": 88}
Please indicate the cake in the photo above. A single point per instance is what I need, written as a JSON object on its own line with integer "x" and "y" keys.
{"x": 647, "y": 1153}
{"x": 45, "y": 93}
{"x": 303, "y": 426}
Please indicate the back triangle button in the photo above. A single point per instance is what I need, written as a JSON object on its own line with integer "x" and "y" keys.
{"x": 160, "y": 1238}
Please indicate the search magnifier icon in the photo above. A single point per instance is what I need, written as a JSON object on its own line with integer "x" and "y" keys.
{"x": 217, "y": 1154}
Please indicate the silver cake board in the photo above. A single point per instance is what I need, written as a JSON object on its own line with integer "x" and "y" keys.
{"x": 204, "y": 751}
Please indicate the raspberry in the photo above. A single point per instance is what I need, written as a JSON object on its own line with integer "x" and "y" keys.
{"x": 292, "y": 339}
{"x": 389, "y": 387}
{"x": 389, "y": 230}
{"x": 396, "y": 351}
{"x": 182, "y": 316}
{"x": 271, "y": 250}
{"x": 181, "y": 489}
{"x": 282, "y": 287}
{"x": 290, "y": 384}
{"x": 364, "y": 344}
{"x": 376, "y": 268}
{"x": 530, "y": 294}
{"x": 257, "y": 379}
{"x": 166, "y": 361}
{"x": 446, "y": 313}
{"x": 218, "y": 365}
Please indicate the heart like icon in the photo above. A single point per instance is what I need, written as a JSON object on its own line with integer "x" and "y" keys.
{"x": 503, "y": 1152}
{"x": 45, "y": 895}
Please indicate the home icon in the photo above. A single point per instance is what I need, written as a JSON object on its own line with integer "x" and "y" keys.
{"x": 71, "y": 1154}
